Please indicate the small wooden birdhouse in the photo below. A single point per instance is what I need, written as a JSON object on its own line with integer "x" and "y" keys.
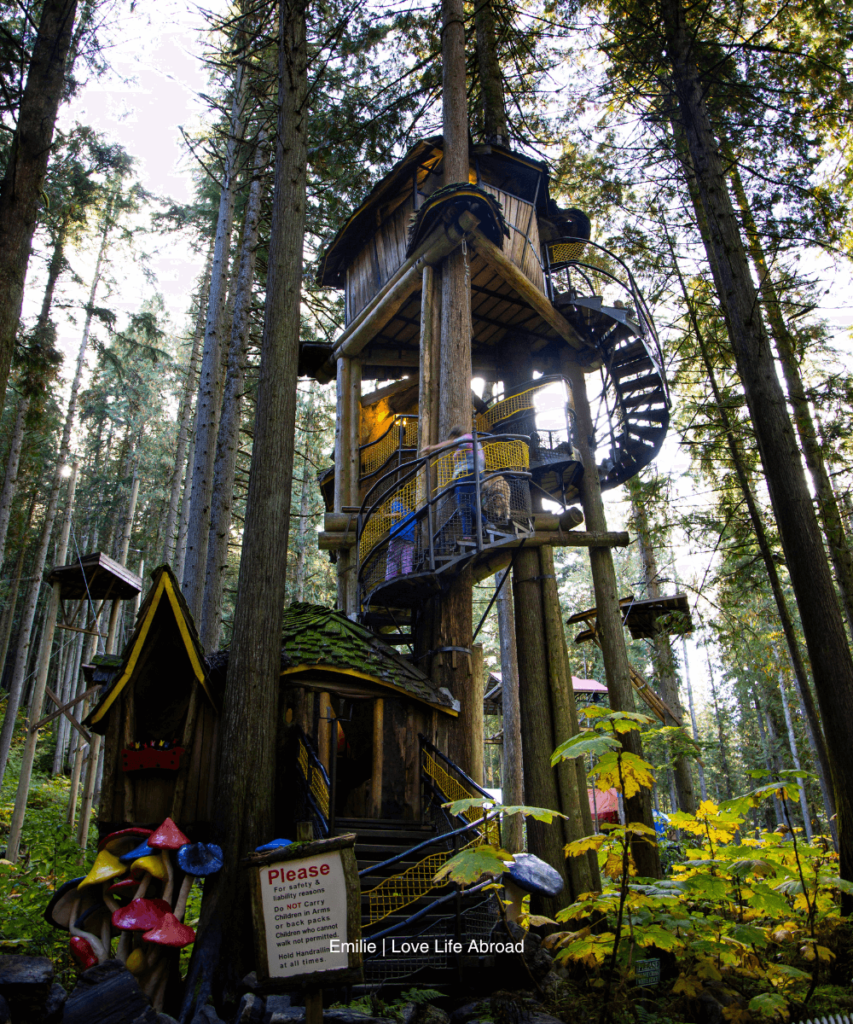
{"x": 159, "y": 719}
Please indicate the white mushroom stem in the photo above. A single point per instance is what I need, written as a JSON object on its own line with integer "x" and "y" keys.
{"x": 515, "y": 894}
{"x": 143, "y": 886}
{"x": 125, "y": 944}
{"x": 112, "y": 905}
{"x": 183, "y": 896}
{"x": 93, "y": 940}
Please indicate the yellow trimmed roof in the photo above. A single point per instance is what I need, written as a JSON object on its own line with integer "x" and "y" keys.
{"x": 164, "y": 597}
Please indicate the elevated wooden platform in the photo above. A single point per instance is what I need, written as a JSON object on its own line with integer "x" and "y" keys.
{"x": 97, "y": 576}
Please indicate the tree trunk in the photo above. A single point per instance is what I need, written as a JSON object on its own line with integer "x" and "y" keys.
{"x": 795, "y": 755}
{"x": 304, "y": 499}
{"x": 703, "y": 789}
{"x": 10, "y": 481}
{"x": 26, "y": 166}
{"x": 827, "y": 505}
{"x": 823, "y": 626}
{"x": 721, "y": 736}
{"x": 512, "y": 771}
{"x": 29, "y": 609}
{"x": 228, "y": 442}
{"x": 246, "y": 768}
{"x": 31, "y": 735}
{"x": 785, "y": 619}
{"x": 455, "y": 625}
{"x": 608, "y": 617}
{"x": 185, "y": 419}
{"x": 495, "y": 129}
{"x": 663, "y": 657}
{"x": 210, "y": 383}
{"x": 537, "y": 739}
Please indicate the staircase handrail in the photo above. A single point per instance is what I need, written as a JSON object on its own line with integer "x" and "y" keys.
{"x": 432, "y": 841}
{"x": 647, "y": 324}
{"x": 399, "y": 419}
{"x": 425, "y": 910}
{"x": 381, "y": 494}
{"x": 317, "y": 765}
{"x": 434, "y": 749}
{"x": 508, "y": 394}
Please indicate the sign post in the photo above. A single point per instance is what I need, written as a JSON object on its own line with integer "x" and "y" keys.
{"x": 306, "y": 906}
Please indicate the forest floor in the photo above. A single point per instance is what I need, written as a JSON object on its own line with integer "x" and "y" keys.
{"x": 572, "y": 987}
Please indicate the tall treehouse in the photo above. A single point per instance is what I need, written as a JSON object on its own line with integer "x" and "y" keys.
{"x": 579, "y": 403}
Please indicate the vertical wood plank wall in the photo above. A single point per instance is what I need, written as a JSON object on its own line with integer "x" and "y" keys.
{"x": 384, "y": 250}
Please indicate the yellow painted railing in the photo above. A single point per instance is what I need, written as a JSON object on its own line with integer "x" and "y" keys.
{"x": 374, "y": 456}
{"x": 398, "y": 891}
{"x": 314, "y": 778}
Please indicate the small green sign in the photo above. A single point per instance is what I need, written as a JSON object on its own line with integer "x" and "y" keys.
{"x": 648, "y": 972}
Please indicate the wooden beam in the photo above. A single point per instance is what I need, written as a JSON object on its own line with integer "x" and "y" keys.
{"x": 390, "y": 298}
{"x": 63, "y": 709}
{"x": 377, "y": 758}
{"x": 536, "y": 299}
{"x": 343, "y": 541}
{"x": 79, "y": 629}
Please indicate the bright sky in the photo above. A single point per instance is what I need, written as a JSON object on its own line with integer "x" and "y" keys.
{"x": 152, "y": 90}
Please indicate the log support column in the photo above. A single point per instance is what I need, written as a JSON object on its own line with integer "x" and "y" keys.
{"x": 347, "y": 470}
{"x": 610, "y": 630}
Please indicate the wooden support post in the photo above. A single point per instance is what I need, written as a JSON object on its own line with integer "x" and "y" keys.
{"x": 537, "y": 739}
{"x": 378, "y": 751}
{"x": 353, "y": 472}
{"x": 313, "y": 1004}
{"x": 343, "y": 433}
{"x": 429, "y": 349}
{"x": 617, "y": 672}
{"x": 512, "y": 772}
{"x": 470, "y": 722}
{"x": 324, "y": 732}
{"x": 571, "y": 775}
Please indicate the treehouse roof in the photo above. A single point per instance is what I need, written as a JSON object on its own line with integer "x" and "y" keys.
{"x": 503, "y": 168}
{"x": 164, "y": 643}
{"x": 95, "y": 576}
{"x": 323, "y": 641}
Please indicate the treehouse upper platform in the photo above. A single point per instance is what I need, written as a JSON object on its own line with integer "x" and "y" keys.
{"x": 545, "y": 299}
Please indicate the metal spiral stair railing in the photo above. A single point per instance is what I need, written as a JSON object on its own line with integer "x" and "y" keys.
{"x": 635, "y": 390}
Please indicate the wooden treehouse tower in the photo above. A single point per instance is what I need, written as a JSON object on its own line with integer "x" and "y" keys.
{"x": 459, "y": 264}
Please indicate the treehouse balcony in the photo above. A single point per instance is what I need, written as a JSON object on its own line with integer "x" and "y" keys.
{"x": 415, "y": 534}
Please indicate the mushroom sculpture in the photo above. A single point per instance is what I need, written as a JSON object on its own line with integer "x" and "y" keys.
{"x": 168, "y": 838}
{"x": 529, "y": 874}
{"x": 196, "y": 860}
{"x": 64, "y": 911}
{"x": 140, "y": 915}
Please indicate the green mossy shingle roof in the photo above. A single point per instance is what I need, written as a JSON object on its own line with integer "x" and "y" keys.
{"x": 313, "y": 635}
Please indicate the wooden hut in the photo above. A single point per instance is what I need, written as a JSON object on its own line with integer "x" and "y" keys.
{"x": 351, "y": 713}
{"x": 159, "y": 719}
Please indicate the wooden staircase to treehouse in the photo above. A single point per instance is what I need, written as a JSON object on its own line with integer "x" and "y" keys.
{"x": 397, "y": 861}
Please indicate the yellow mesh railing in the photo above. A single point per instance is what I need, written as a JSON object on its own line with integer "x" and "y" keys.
{"x": 511, "y": 456}
{"x": 564, "y": 252}
{"x": 315, "y": 780}
{"x": 454, "y": 790}
{"x": 410, "y": 885}
{"x": 509, "y": 407}
{"x": 498, "y": 455}
{"x": 392, "y": 510}
{"x": 375, "y": 456}
{"x": 398, "y": 891}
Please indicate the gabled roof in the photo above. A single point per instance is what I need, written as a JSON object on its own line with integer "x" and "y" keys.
{"x": 165, "y": 594}
{"x": 319, "y": 638}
